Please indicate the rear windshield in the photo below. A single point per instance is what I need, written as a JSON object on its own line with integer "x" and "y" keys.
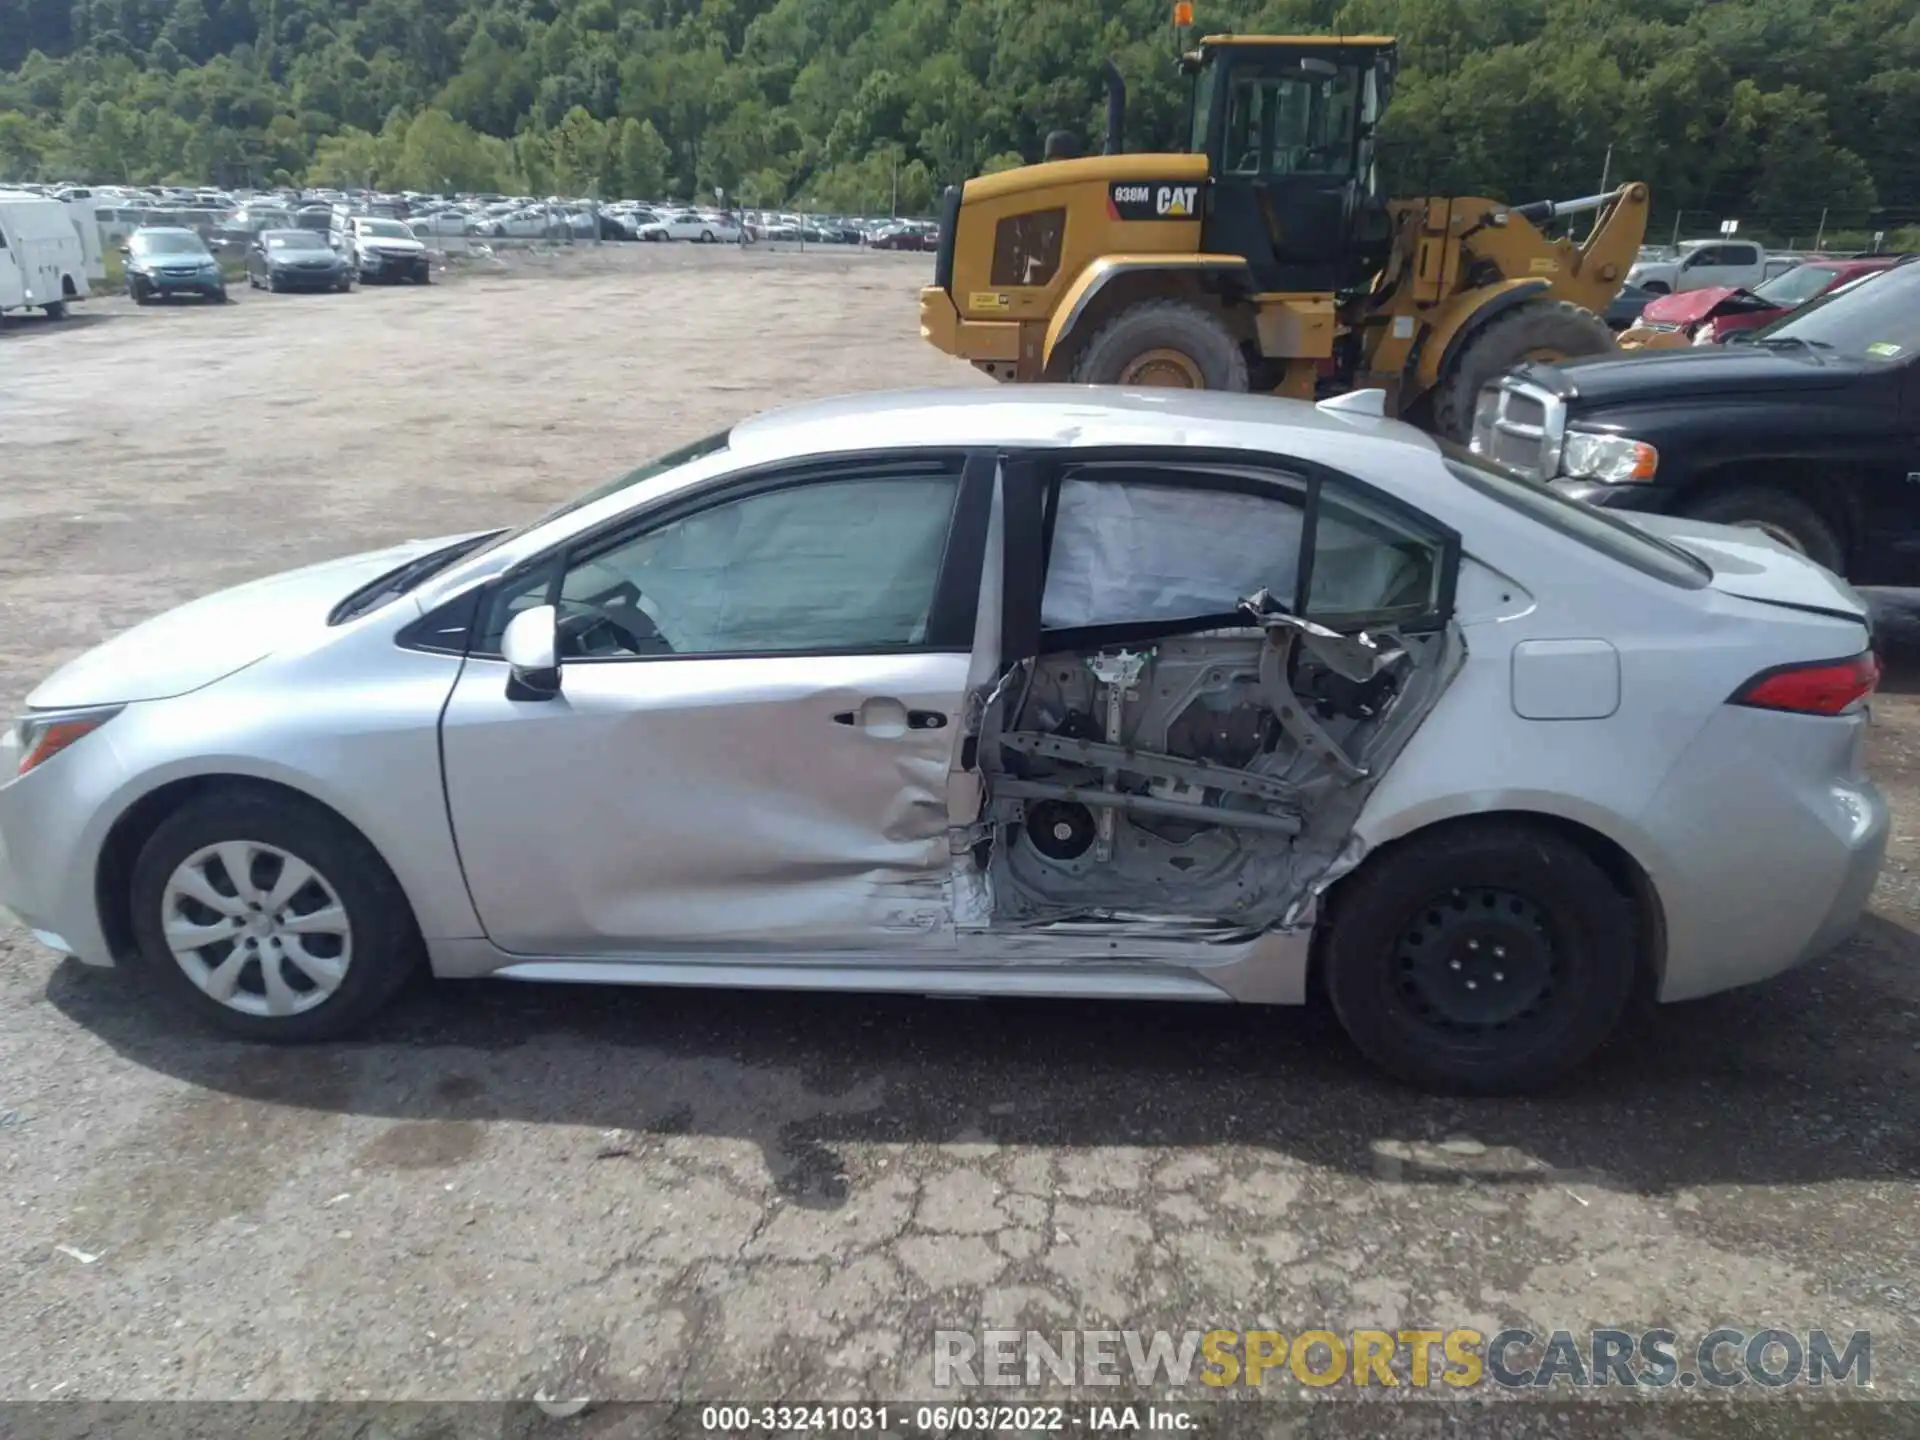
{"x": 1592, "y": 526}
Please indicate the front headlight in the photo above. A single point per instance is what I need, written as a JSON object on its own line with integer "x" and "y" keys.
{"x": 39, "y": 737}
{"x": 1614, "y": 459}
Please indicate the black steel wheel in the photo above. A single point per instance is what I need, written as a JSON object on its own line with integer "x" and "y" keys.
{"x": 1480, "y": 957}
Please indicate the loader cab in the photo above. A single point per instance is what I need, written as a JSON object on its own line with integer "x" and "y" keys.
{"x": 1288, "y": 126}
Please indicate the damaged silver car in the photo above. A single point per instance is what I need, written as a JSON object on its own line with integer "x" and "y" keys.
{"x": 1044, "y": 692}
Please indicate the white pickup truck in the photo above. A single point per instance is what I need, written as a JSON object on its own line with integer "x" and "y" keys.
{"x": 1702, "y": 264}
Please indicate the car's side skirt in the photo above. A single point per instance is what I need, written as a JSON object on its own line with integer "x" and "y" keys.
{"x": 1270, "y": 970}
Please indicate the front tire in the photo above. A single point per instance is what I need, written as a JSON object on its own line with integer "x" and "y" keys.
{"x": 1166, "y": 343}
{"x": 1783, "y": 516}
{"x": 1487, "y": 958}
{"x": 270, "y": 917}
{"x": 1531, "y": 330}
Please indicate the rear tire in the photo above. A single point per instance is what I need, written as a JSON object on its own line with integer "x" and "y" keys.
{"x": 57, "y": 310}
{"x": 379, "y": 949}
{"x": 1484, "y": 958}
{"x": 1784, "y": 516}
{"x": 1495, "y": 346}
{"x": 1163, "y": 338}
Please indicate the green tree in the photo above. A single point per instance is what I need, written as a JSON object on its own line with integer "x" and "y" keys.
{"x": 641, "y": 172}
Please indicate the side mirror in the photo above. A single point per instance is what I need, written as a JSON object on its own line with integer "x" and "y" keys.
{"x": 126, "y": 250}
{"x": 531, "y": 647}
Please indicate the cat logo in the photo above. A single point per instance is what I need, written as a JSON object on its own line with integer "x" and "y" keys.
{"x": 1150, "y": 200}
{"x": 1176, "y": 201}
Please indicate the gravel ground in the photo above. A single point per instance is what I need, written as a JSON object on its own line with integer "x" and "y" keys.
{"x": 638, "y": 1195}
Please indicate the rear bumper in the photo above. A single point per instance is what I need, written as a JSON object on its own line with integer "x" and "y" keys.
{"x": 1773, "y": 839}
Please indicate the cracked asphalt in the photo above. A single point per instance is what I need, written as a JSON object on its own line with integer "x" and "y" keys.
{"x": 505, "y": 1191}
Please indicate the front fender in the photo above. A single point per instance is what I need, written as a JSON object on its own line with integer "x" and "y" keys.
{"x": 1450, "y": 323}
{"x": 1109, "y": 269}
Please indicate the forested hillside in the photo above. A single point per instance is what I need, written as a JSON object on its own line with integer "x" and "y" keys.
{"x": 1772, "y": 110}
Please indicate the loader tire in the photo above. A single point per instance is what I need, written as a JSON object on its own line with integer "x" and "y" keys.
{"x": 1532, "y": 330}
{"x": 1167, "y": 343}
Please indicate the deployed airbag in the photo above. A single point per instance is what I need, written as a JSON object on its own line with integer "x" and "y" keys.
{"x": 1126, "y": 553}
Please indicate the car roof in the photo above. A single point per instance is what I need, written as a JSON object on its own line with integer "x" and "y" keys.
{"x": 1073, "y": 417}
{"x": 166, "y": 230}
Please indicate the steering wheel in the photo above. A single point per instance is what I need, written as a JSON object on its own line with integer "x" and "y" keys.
{"x": 593, "y": 630}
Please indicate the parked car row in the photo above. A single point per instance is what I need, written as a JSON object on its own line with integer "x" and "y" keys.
{"x": 164, "y": 262}
{"x": 1713, "y": 315}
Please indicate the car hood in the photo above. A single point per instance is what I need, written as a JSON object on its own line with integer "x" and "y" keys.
{"x": 210, "y": 638}
{"x": 1750, "y": 565}
{"x": 1689, "y": 307}
{"x": 1657, "y": 376}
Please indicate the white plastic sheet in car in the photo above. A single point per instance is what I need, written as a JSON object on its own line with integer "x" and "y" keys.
{"x": 1124, "y": 553}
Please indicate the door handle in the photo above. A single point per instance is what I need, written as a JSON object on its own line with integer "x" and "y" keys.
{"x": 883, "y": 715}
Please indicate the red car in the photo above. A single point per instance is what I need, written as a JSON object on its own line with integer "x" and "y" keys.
{"x": 1708, "y": 317}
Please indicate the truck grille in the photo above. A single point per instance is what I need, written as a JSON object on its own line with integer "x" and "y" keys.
{"x": 1520, "y": 427}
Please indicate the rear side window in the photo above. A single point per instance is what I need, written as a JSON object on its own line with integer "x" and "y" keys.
{"x": 1589, "y": 524}
{"x": 1026, "y": 248}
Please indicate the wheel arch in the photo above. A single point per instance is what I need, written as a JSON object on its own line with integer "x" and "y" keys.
{"x": 1444, "y": 336}
{"x": 1606, "y": 847}
{"x": 1113, "y": 282}
{"x": 136, "y": 824}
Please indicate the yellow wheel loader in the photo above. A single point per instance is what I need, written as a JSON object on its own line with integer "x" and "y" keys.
{"x": 1265, "y": 258}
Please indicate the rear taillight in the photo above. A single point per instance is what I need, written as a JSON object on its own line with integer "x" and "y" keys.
{"x": 1817, "y": 687}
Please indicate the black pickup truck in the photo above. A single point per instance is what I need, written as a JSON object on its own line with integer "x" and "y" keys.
{"x": 1810, "y": 431}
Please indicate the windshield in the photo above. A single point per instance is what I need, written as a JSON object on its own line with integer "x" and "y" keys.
{"x": 300, "y": 240}
{"x": 389, "y": 229}
{"x": 163, "y": 243}
{"x": 1797, "y": 286}
{"x": 1292, "y": 123}
{"x": 1878, "y": 321}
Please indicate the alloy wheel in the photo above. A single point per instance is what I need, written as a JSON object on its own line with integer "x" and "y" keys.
{"x": 257, "y": 928}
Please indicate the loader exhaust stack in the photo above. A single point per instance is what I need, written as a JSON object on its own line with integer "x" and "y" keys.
{"x": 1116, "y": 110}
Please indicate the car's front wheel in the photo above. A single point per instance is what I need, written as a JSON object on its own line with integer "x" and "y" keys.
{"x": 270, "y": 917}
{"x": 1481, "y": 958}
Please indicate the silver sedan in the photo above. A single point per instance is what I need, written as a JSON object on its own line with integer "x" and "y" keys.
{"x": 1035, "y": 691}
